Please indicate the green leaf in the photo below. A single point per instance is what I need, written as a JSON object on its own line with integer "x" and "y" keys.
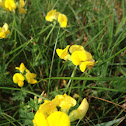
{"x": 119, "y": 28}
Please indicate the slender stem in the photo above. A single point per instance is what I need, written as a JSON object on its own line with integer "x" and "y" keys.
{"x": 53, "y": 58}
{"x": 85, "y": 80}
{"x": 72, "y": 75}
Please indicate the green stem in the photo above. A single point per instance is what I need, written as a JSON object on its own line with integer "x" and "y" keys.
{"x": 53, "y": 59}
{"x": 68, "y": 84}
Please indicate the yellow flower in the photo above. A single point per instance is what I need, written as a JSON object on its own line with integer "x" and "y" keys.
{"x": 54, "y": 119}
{"x": 65, "y": 102}
{"x": 20, "y": 7}
{"x": 83, "y": 59}
{"x": 4, "y": 31}
{"x": 30, "y": 77}
{"x": 21, "y": 68}
{"x": 63, "y": 53}
{"x": 80, "y": 112}
{"x": 51, "y": 15}
{"x": 78, "y": 56}
{"x": 74, "y": 48}
{"x": 48, "y": 107}
{"x": 2, "y": 3}
{"x": 18, "y": 78}
{"x": 58, "y": 119}
{"x": 48, "y": 114}
{"x": 10, "y": 5}
{"x": 61, "y": 18}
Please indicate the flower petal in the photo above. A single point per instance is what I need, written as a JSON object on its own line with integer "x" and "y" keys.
{"x": 80, "y": 112}
{"x": 82, "y": 66}
{"x": 58, "y": 119}
{"x": 40, "y": 119}
{"x": 50, "y": 15}
{"x": 65, "y": 102}
{"x": 74, "y": 48}
{"x": 21, "y": 68}
{"x": 78, "y": 56}
{"x": 63, "y": 53}
{"x": 62, "y": 19}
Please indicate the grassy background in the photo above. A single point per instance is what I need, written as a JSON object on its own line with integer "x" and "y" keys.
{"x": 99, "y": 26}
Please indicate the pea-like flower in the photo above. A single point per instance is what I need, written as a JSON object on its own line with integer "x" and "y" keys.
{"x": 65, "y": 102}
{"x": 30, "y": 77}
{"x": 54, "y": 119}
{"x": 8, "y": 4}
{"x": 18, "y": 78}
{"x": 78, "y": 56}
{"x": 54, "y": 15}
{"x": 63, "y": 53}
{"x": 21, "y": 68}
{"x": 62, "y": 19}
{"x": 4, "y": 31}
{"x": 21, "y": 7}
{"x": 49, "y": 115}
{"x": 24, "y": 74}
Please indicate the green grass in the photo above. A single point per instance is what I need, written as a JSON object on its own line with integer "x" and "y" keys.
{"x": 99, "y": 26}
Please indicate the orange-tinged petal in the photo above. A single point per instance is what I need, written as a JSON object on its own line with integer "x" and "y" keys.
{"x": 58, "y": 119}
{"x": 21, "y": 3}
{"x": 20, "y": 7}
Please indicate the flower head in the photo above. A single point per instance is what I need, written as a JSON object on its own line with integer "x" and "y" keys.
{"x": 51, "y": 15}
{"x": 54, "y": 15}
{"x": 63, "y": 53}
{"x": 62, "y": 19}
{"x": 65, "y": 102}
{"x": 54, "y": 119}
{"x": 78, "y": 56}
{"x": 21, "y": 68}
{"x": 4, "y": 31}
{"x": 18, "y": 78}
{"x": 24, "y": 74}
{"x": 10, "y": 5}
{"x": 49, "y": 115}
{"x": 21, "y": 7}
{"x": 30, "y": 77}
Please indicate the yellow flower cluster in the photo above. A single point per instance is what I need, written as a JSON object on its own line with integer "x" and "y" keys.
{"x": 54, "y": 15}
{"x": 48, "y": 114}
{"x": 24, "y": 74}
{"x": 4, "y": 31}
{"x": 11, "y": 5}
{"x": 79, "y": 56}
